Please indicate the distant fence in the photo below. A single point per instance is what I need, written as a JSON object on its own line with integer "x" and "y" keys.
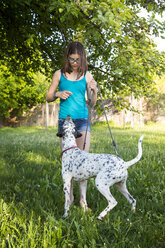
{"x": 147, "y": 112}
{"x": 39, "y": 115}
{"x": 47, "y": 114}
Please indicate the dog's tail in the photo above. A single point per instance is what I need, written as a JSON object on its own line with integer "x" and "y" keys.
{"x": 138, "y": 157}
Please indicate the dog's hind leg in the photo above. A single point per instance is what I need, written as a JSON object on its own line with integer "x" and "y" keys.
{"x": 103, "y": 187}
{"x": 67, "y": 188}
{"x": 122, "y": 187}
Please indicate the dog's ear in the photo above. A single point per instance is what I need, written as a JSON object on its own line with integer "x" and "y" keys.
{"x": 77, "y": 134}
{"x": 60, "y": 133}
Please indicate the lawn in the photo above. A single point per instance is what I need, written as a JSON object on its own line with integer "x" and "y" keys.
{"x": 32, "y": 199}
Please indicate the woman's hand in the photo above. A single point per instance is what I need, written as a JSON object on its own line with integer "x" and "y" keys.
{"x": 93, "y": 85}
{"x": 92, "y": 93}
{"x": 63, "y": 94}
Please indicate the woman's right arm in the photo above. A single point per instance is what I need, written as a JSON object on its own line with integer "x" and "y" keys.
{"x": 53, "y": 87}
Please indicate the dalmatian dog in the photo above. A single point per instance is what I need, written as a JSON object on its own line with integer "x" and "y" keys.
{"x": 107, "y": 169}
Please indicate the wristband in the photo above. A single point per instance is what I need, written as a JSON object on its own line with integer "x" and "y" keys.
{"x": 54, "y": 95}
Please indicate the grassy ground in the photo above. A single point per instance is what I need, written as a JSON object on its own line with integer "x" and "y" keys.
{"x": 32, "y": 199}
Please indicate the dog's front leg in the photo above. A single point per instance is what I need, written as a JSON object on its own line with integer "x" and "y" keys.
{"x": 67, "y": 188}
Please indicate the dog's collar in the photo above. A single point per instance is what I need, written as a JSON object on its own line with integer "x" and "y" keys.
{"x": 66, "y": 150}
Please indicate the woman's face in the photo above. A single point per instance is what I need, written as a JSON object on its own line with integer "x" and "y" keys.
{"x": 74, "y": 60}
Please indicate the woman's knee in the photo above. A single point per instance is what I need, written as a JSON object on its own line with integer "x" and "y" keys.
{"x": 84, "y": 140}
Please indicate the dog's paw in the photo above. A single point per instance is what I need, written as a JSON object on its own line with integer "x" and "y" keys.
{"x": 85, "y": 207}
{"x": 133, "y": 208}
{"x": 65, "y": 215}
{"x": 99, "y": 218}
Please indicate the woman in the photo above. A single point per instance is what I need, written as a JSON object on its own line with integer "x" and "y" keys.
{"x": 73, "y": 81}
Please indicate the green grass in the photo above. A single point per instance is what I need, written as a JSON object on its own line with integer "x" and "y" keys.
{"x": 32, "y": 199}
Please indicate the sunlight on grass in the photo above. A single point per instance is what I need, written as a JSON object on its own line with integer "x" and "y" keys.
{"x": 32, "y": 198}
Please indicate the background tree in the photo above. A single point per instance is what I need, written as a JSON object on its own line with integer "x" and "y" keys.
{"x": 18, "y": 94}
{"x": 121, "y": 54}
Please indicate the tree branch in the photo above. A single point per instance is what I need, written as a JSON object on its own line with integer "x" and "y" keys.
{"x": 94, "y": 24}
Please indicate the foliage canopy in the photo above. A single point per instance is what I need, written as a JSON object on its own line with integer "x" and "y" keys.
{"x": 121, "y": 54}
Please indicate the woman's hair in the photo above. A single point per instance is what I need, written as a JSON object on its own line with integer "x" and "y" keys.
{"x": 73, "y": 48}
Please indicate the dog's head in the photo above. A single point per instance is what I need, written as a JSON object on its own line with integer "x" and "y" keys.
{"x": 69, "y": 127}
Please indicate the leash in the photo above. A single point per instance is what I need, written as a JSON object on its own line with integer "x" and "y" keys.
{"x": 113, "y": 142}
{"x": 89, "y": 103}
{"x": 66, "y": 150}
{"x": 86, "y": 134}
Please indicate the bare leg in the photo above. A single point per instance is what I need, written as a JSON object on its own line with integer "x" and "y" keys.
{"x": 80, "y": 141}
{"x": 83, "y": 191}
{"x": 61, "y": 143}
{"x": 71, "y": 192}
{"x": 83, "y": 184}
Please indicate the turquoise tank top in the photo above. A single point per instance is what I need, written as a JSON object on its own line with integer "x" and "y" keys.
{"x": 74, "y": 105}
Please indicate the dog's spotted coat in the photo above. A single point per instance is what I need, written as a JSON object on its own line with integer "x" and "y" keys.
{"x": 107, "y": 169}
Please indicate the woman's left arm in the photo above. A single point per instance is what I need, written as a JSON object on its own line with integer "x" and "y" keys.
{"x": 92, "y": 88}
